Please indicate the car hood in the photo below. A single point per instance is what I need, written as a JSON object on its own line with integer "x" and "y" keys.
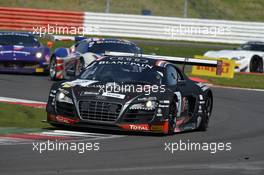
{"x": 16, "y": 52}
{"x": 111, "y": 92}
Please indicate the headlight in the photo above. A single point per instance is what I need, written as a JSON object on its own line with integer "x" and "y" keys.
{"x": 238, "y": 58}
{"x": 61, "y": 97}
{"x": 38, "y": 55}
{"x": 149, "y": 105}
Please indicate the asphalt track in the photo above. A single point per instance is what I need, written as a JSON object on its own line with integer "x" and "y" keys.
{"x": 237, "y": 118}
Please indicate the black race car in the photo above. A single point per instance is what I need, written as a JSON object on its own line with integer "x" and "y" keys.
{"x": 131, "y": 93}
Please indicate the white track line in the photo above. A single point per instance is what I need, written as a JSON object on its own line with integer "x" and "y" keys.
{"x": 7, "y": 99}
{"x": 67, "y": 134}
{"x": 78, "y": 132}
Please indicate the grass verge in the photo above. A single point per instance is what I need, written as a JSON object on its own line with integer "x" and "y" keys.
{"x": 21, "y": 116}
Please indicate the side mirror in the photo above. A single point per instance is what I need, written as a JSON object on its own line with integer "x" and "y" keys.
{"x": 50, "y": 44}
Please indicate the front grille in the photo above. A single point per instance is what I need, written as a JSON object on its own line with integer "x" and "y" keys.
{"x": 99, "y": 110}
{"x": 138, "y": 116}
{"x": 66, "y": 109}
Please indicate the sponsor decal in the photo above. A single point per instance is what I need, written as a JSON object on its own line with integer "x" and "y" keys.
{"x": 84, "y": 93}
{"x": 62, "y": 119}
{"x": 114, "y": 95}
{"x": 121, "y": 62}
{"x": 136, "y": 127}
{"x": 78, "y": 82}
{"x": 225, "y": 69}
{"x": 147, "y": 99}
{"x": 163, "y": 106}
{"x": 165, "y": 101}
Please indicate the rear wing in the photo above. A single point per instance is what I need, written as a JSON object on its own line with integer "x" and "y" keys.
{"x": 177, "y": 60}
{"x": 185, "y": 61}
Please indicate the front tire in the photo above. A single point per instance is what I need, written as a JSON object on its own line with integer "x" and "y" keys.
{"x": 207, "y": 113}
{"x": 80, "y": 66}
{"x": 52, "y": 69}
{"x": 256, "y": 64}
{"x": 172, "y": 117}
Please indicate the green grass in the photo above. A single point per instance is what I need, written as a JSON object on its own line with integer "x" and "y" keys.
{"x": 178, "y": 50}
{"x": 187, "y": 49}
{"x": 249, "y": 10}
{"x": 20, "y": 116}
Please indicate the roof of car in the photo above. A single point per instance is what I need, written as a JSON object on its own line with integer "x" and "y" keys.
{"x": 255, "y": 42}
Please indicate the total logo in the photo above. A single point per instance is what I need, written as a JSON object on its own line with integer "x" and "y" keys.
{"x": 139, "y": 127}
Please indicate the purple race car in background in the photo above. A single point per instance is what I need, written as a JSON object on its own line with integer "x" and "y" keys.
{"x": 22, "y": 53}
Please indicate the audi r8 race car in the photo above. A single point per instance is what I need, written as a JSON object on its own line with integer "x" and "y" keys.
{"x": 131, "y": 93}
{"x": 83, "y": 53}
{"x": 23, "y": 53}
{"x": 249, "y": 56}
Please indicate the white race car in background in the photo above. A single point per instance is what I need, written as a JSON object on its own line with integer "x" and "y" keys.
{"x": 249, "y": 56}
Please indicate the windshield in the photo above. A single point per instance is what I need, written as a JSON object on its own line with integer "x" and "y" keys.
{"x": 103, "y": 47}
{"x": 124, "y": 73}
{"x": 24, "y": 40}
{"x": 254, "y": 47}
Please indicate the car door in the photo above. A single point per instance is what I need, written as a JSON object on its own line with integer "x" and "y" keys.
{"x": 186, "y": 100}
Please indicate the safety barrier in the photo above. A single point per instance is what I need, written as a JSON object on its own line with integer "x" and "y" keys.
{"x": 24, "y": 19}
{"x": 123, "y": 25}
{"x": 171, "y": 28}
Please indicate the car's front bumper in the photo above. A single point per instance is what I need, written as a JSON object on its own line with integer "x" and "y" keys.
{"x": 27, "y": 68}
{"x": 242, "y": 66}
{"x": 152, "y": 127}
